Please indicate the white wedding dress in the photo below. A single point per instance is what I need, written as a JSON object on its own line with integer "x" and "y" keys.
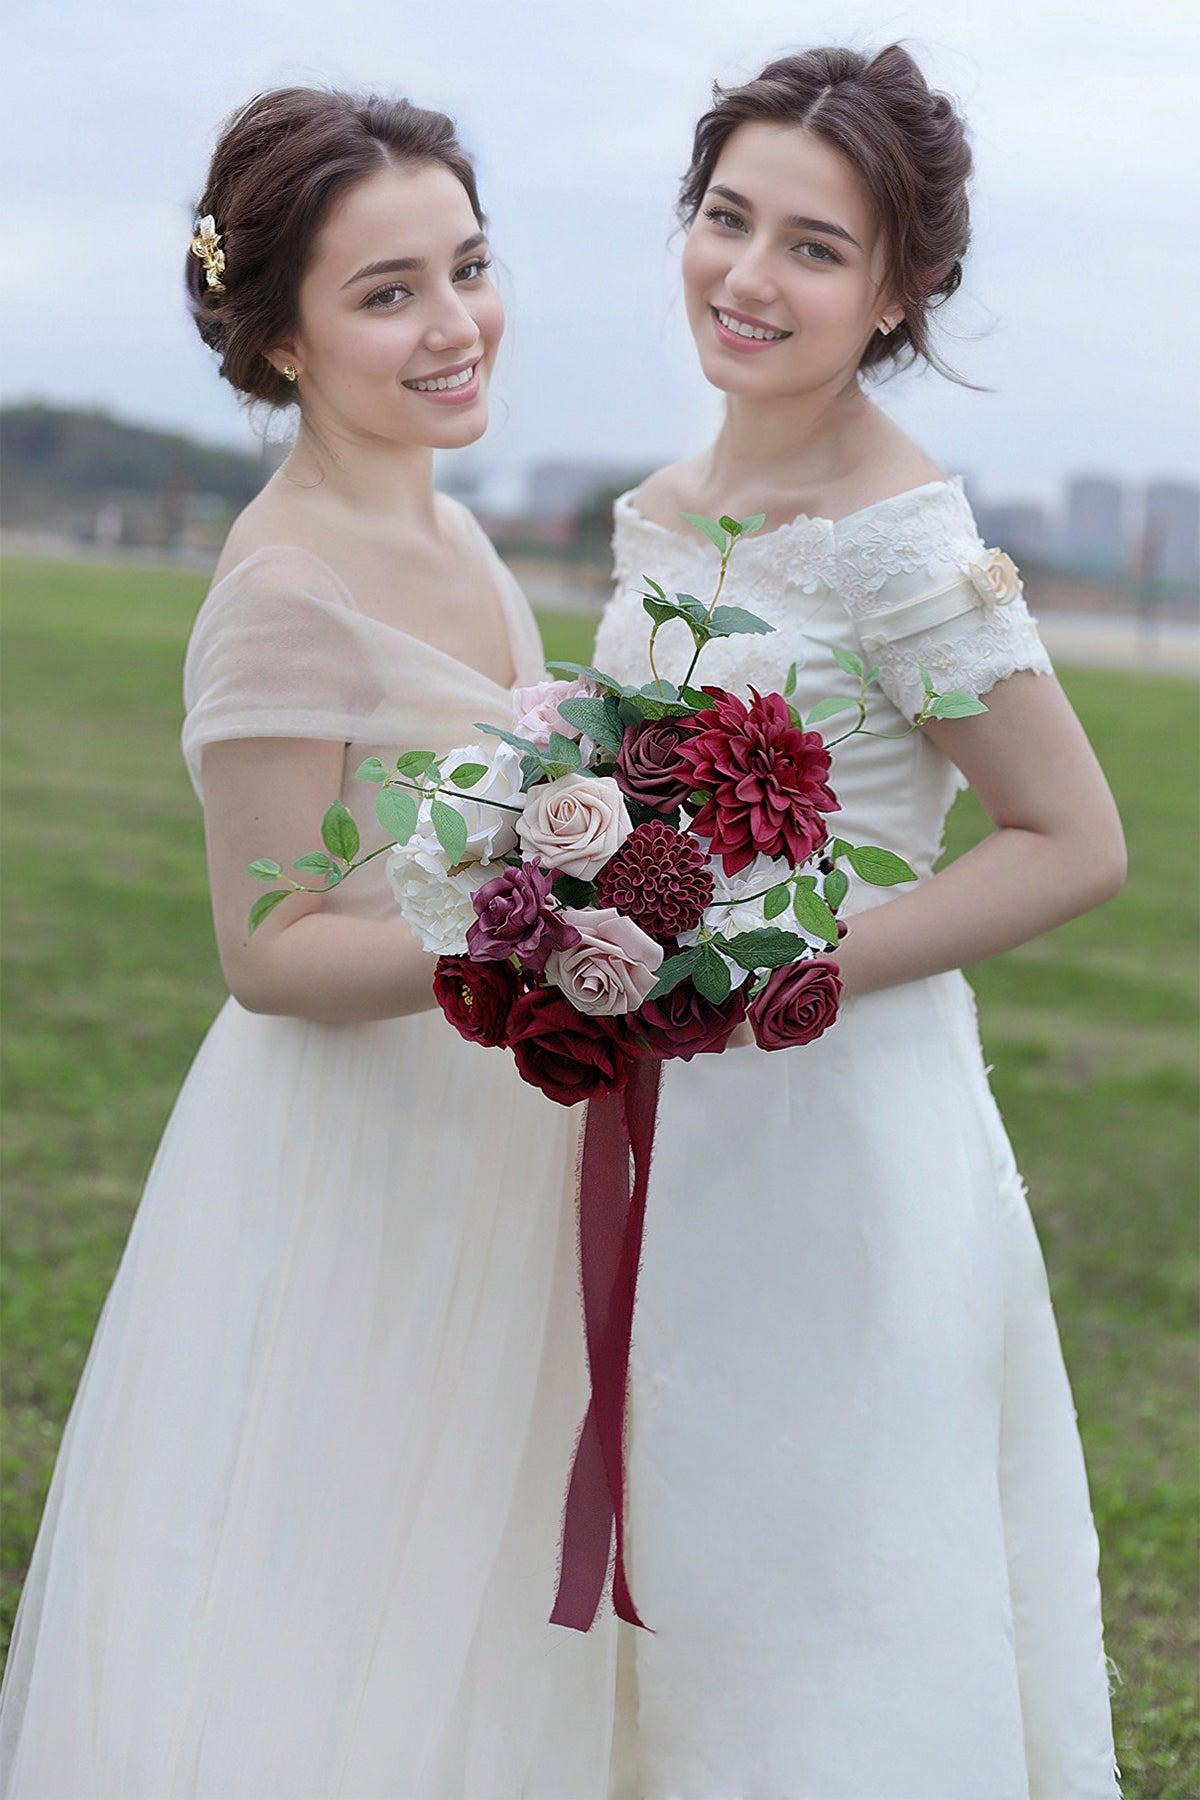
{"x": 301, "y": 1539}
{"x": 858, "y": 1515}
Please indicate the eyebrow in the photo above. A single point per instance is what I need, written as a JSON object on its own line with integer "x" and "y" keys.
{"x": 797, "y": 221}
{"x": 403, "y": 265}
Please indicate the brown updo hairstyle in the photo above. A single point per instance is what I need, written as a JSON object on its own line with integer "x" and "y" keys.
{"x": 908, "y": 146}
{"x": 279, "y": 165}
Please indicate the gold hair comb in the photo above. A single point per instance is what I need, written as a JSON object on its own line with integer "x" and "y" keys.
{"x": 206, "y": 245}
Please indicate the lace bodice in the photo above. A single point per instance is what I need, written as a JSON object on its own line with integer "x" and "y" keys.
{"x": 905, "y": 582}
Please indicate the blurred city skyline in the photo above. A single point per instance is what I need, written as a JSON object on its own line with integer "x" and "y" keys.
{"x": 1076, "y": 307}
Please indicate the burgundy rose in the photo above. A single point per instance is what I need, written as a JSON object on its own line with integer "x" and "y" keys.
{"x": 799, "y": 1002}
{"x": 568, "y": 1054}
{"x": 515, "y": 916}
{"x": 684, "y": 1024}
{"x": 648, "y": 765}
{"x": 659, "y": 877}
{"x": 768, "y": 779}
{"x": 476, "y": 997}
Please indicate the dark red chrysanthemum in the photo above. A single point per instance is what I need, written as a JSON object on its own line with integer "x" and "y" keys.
{"x": 768, "y": 779}
{"x": 659, "y": 878}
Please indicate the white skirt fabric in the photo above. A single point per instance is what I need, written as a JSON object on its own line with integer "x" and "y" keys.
{"x": 858, "y": 1516}
{"x": 301, "y": 1539}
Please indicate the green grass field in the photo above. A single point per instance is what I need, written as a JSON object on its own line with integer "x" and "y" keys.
{"x": 111, "y": 979}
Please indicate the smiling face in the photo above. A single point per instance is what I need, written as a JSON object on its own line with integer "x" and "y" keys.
{"x": 783, "y": 269}
{"x": 397, "y": 296}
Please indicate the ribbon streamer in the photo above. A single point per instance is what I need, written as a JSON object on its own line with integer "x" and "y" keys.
{"x": 611, "y": 1216}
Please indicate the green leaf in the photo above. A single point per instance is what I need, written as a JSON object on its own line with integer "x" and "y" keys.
{"x": 710, "y": 976}
{"x": 371, "y": 770}
{"x": 732, "y": 526}
{"x": 518, "y": 743}
{"x": 316, "y": 860}
{"x": 927, "y": 679}
{"x": 397, "y": 813}
{"x": 753, "y": 522}
{"x": 660, "y": 690}
{"x": 789, "y": 686}
{"x": 654, "y": 587}
{"x": 825, "y": 709}
{"x": 766, "y": 948}
{"x": 586, "y": 673}
{"x": 673, "y": 971}
{"x": 339, "y": 833}
{"x": 871, "y": 675}
{"x": 730, "y": 621}
{"x": 813, "y": 915}
{"x": 568, "y": 890}
{"x": 956, "y": 705}
{"x": 709, "y": 527}
{"x": 467, "y": 774}
{"x": 265, "y": 904}
{"x": 533, "y": 769}
{"x": 699, "y": 797}
{"x": 849, "y": 660}
{"x": 698, "y": 699}
{"x": 837, "y": 884}
{"x": 882, "y": 868}
{"x": 451, "y": 830}
{"x": 565, "y": 751}
{"x": 661, "y": 610}
{"x": 636, "y": 707}
{"x": 776, "y": 901}
{"x": 600, "y": 719}
{"x": 837, "y": 847}
{"x": 416, "y": 763}
{"x": 264, "y": 869}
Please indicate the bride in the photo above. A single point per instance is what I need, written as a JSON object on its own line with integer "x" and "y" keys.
{"x": 301, "y": 1537}
{"x": 858, "y": 1511}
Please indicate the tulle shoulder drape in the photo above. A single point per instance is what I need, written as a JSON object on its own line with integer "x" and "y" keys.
{"x": 281, "y": 648}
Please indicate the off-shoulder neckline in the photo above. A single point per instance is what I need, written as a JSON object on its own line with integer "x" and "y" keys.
{"x": 505, "y": 585}
{"x": 951, "y": 484}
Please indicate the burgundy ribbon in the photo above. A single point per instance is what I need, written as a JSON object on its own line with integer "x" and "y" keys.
{"x": 611, "y": 1217}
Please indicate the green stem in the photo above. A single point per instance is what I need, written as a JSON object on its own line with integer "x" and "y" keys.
{"x": 455, "y": 793}
{"x": 712, "y": 607}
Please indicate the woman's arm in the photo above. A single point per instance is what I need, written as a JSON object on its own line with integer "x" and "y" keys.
{"x": 266, "y": 797}
{"x": 1057, "y": 851}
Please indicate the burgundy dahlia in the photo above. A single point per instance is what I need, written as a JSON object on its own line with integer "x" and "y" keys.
{"x": 768, "y": 779}
{"x": 648, "y": 767}
{"x": 659, "y": 878}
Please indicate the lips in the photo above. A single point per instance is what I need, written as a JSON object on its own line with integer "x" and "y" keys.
{"x": 451, "y": 369}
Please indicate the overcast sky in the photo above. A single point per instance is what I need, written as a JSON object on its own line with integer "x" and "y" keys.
{"x": 1080, "y": 300}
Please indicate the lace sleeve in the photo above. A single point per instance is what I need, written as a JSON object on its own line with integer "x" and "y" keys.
{"x": 922, "y": 590}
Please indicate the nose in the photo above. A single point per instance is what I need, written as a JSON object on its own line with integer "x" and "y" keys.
{"x": 452, "y": 327}
{"x": 749, "y": 278}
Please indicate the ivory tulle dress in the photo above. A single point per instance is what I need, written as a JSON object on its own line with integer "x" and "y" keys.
{"x": 858, "y": 1514}
{"x": 302, "y": 1534}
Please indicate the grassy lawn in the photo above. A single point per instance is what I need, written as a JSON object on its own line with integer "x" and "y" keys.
{"x": 111, "y": 979}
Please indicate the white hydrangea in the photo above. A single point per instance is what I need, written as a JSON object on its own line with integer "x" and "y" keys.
{"x": 745, "y": 913}
{"x": 434, "y": 904}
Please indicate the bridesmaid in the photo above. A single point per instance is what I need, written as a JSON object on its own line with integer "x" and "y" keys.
{"x": 301, "y": 1538}
{"x": 859, "y": 1515}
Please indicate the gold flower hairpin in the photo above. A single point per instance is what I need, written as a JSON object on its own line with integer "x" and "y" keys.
{"x": 206, "y": 244}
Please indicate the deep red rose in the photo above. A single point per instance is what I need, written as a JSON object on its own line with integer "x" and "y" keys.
{"x": 684, "y": 1024}
{"x": 799, "y": 1002}
{"x": 648, "y": 765}
{"x": 476, "y": 997}
{"x": 569, "y": 1055}
{"x": 768, "y": 779}
{"x": 659, "y": 878}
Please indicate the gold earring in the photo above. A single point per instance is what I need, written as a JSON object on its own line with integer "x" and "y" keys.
{"x": 289, "y": 371}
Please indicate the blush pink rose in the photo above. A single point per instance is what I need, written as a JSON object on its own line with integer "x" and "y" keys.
{"x": 575, "y": 824}
{"x": 536, "y": 714}
{"x": 613, "y": 966}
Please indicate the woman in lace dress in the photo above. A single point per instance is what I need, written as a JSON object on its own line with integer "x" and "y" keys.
{"x": 300, "y": 1542}
{"x": 858, "y": 1517}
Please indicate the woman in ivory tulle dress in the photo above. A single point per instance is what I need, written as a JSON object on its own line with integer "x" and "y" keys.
{"x": 858, "y": 1515}
{"x": 300, "y": 1542}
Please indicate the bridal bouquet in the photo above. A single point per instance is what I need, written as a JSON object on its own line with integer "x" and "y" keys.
{"x": 604, "y": 885}
{"x": 604, "y": 891}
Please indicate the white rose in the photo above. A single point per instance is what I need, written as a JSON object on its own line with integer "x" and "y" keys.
{"x": 434, "y": 904}
{"x": 491, "y": 831}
